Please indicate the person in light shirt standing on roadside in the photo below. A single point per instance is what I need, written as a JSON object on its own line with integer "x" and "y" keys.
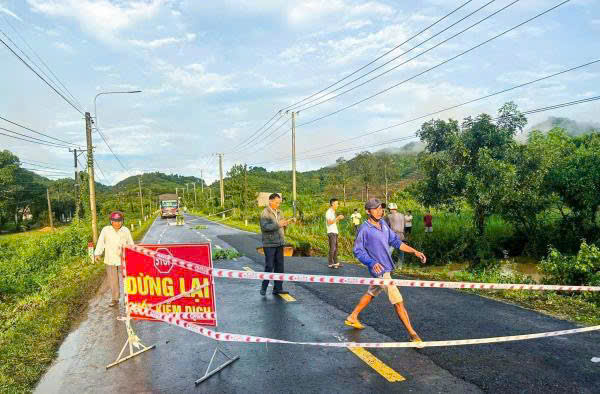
{"x": 331, "y": 221}
{"x": 111, "y": 241}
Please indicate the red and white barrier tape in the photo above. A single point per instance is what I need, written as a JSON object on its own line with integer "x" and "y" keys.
{"x": 354, "y": 280}
{"x": 228, "y": 337}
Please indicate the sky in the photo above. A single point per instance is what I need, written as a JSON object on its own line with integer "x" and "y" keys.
{"x": 212, "y": 73}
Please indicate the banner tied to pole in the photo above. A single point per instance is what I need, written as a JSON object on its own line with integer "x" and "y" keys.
{"x": 152, "y": 280}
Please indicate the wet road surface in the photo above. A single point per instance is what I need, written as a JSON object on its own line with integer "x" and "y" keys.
{"x": 560, "y": 364}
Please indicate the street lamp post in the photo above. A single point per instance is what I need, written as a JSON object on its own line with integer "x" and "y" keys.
{"x": 101, "y": 93}
{"x": 90, "y": 153}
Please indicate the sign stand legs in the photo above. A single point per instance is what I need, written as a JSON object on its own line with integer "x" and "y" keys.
{"x": 132, "y": 341}
{"x": 207, "y": 374}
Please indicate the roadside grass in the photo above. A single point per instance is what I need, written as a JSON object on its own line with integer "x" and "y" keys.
{"x": 48, "y": 281}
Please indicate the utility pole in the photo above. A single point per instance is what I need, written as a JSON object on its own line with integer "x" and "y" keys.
{"x": 222, "y": 185}
{"x": 194, "y": 183}
{"x": 49, "y": 208}
{"x": 294, "y": 162}
{"x": 141, "y": 198}
{"x": 202, "y": 184}
{"x": 90, "y": 155}
{"x": 77, "y": 186}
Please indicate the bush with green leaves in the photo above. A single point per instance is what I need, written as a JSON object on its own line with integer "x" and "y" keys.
{"x": 225, "y": 254}
{"x": 581, "y": 269}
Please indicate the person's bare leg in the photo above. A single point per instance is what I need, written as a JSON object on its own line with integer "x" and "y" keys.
{"x": 362, "y": 304}
{"x": 403, "y": 315}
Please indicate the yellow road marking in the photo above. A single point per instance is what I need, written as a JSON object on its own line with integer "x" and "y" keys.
{"x": 287, "y": 297}
{"x": 248, "y": 269}
{"x": 388, "y": 373}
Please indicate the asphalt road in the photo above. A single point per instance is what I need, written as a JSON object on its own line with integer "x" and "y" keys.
{"x": 559, "y": 364}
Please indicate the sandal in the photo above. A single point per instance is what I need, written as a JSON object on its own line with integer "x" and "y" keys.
{"x": 417, "y": 340}
{"x": 355, "y": 324}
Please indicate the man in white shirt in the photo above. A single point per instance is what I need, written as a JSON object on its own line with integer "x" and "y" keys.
{"x": 356, "y": 216}
{"x": 332, "y": 232}
{"x": 111, "y": 241}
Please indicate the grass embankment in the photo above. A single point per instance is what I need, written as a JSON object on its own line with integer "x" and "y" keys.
{"x": 46, "y": 280}
{"x": 311, "y": 238}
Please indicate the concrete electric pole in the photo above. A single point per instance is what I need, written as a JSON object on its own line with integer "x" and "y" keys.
{"x": 294, "y": 162}
{"x": 77, "y": 186}
{"x": 141, "y": 198}
{"x": 221, "y": 175}
{"x": 90, "y": 156}
{"x": 49, "y": 208}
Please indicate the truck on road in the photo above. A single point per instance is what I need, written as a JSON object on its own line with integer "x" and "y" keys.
{"x": 169, "y": 205}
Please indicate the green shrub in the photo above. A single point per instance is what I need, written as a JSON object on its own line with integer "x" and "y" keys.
{"x": 225, "y": 254}
{"x": 581, "y": 269}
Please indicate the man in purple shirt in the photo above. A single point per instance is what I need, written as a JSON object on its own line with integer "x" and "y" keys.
{"x": 371, "y": 247}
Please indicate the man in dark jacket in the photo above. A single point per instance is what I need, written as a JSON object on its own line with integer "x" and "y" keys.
{"x": 272, "y": 225}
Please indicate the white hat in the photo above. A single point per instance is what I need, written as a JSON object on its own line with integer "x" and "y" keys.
{"x": 392, "y": 206}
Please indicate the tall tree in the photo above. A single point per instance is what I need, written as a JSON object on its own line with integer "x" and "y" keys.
{"x": 468, "y": 162}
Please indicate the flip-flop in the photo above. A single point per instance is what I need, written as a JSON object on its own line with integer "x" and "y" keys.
{"x": 356, "y": 325}
{"x": 417, "y": 340}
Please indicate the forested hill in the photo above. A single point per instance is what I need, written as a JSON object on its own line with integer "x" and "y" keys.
{"x": 159, "y": 181}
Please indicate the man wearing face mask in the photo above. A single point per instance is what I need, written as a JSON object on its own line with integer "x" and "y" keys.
{"x": 371, "y": 248}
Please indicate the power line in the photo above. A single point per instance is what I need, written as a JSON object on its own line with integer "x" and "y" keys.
{"x": 39, "y": 76}
{"x": 39, "y": 58}
{"x": 436, "y": 66}
{"x": 264, "y": 138}
{"x": 411, "y": 136}
{"x": 259, "y": 129}
{"x": 376, "y": 59}
{"x": 41, "y": 166}
{"x": 462, "y": 104}
{"x": 248, "y": 141}
{"x": 37, "y": 132}
{"x": 109, "y": 148}
{"x": 35, "y": 140}
{"x": 304, "y": 107}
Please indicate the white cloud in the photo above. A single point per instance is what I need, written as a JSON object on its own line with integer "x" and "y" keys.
{"x": 10, "y": 13}
{"x": 357, "y": 24}
{"x": 380, "y": 108}
{"x": 161, "y": 42}
{"x": 68, "y": 123}
{"x": 309, "y": 11}
{"x": 103, "y": 19}
{"x": 296, "y": 53}
{"x": 235, "y": 111}
{"x": 103, "y": 68}
{"x": 195, "y": 77}
{"x": 64, "y": 46}
{"x": 231, "y": 133}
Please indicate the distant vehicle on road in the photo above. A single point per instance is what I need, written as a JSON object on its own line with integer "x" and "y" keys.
{"x": 169, "y": 205}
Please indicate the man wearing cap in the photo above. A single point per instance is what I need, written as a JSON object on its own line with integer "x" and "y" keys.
{"x": 371, "y": 247}
{"x": 111, "y": 241}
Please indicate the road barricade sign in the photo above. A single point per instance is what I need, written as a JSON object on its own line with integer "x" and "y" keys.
{"x": 152, "y": 280}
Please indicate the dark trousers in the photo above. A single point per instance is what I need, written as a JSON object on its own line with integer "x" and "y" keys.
{"x": 273, "y": 263}
{"x": 333, "y": 248}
